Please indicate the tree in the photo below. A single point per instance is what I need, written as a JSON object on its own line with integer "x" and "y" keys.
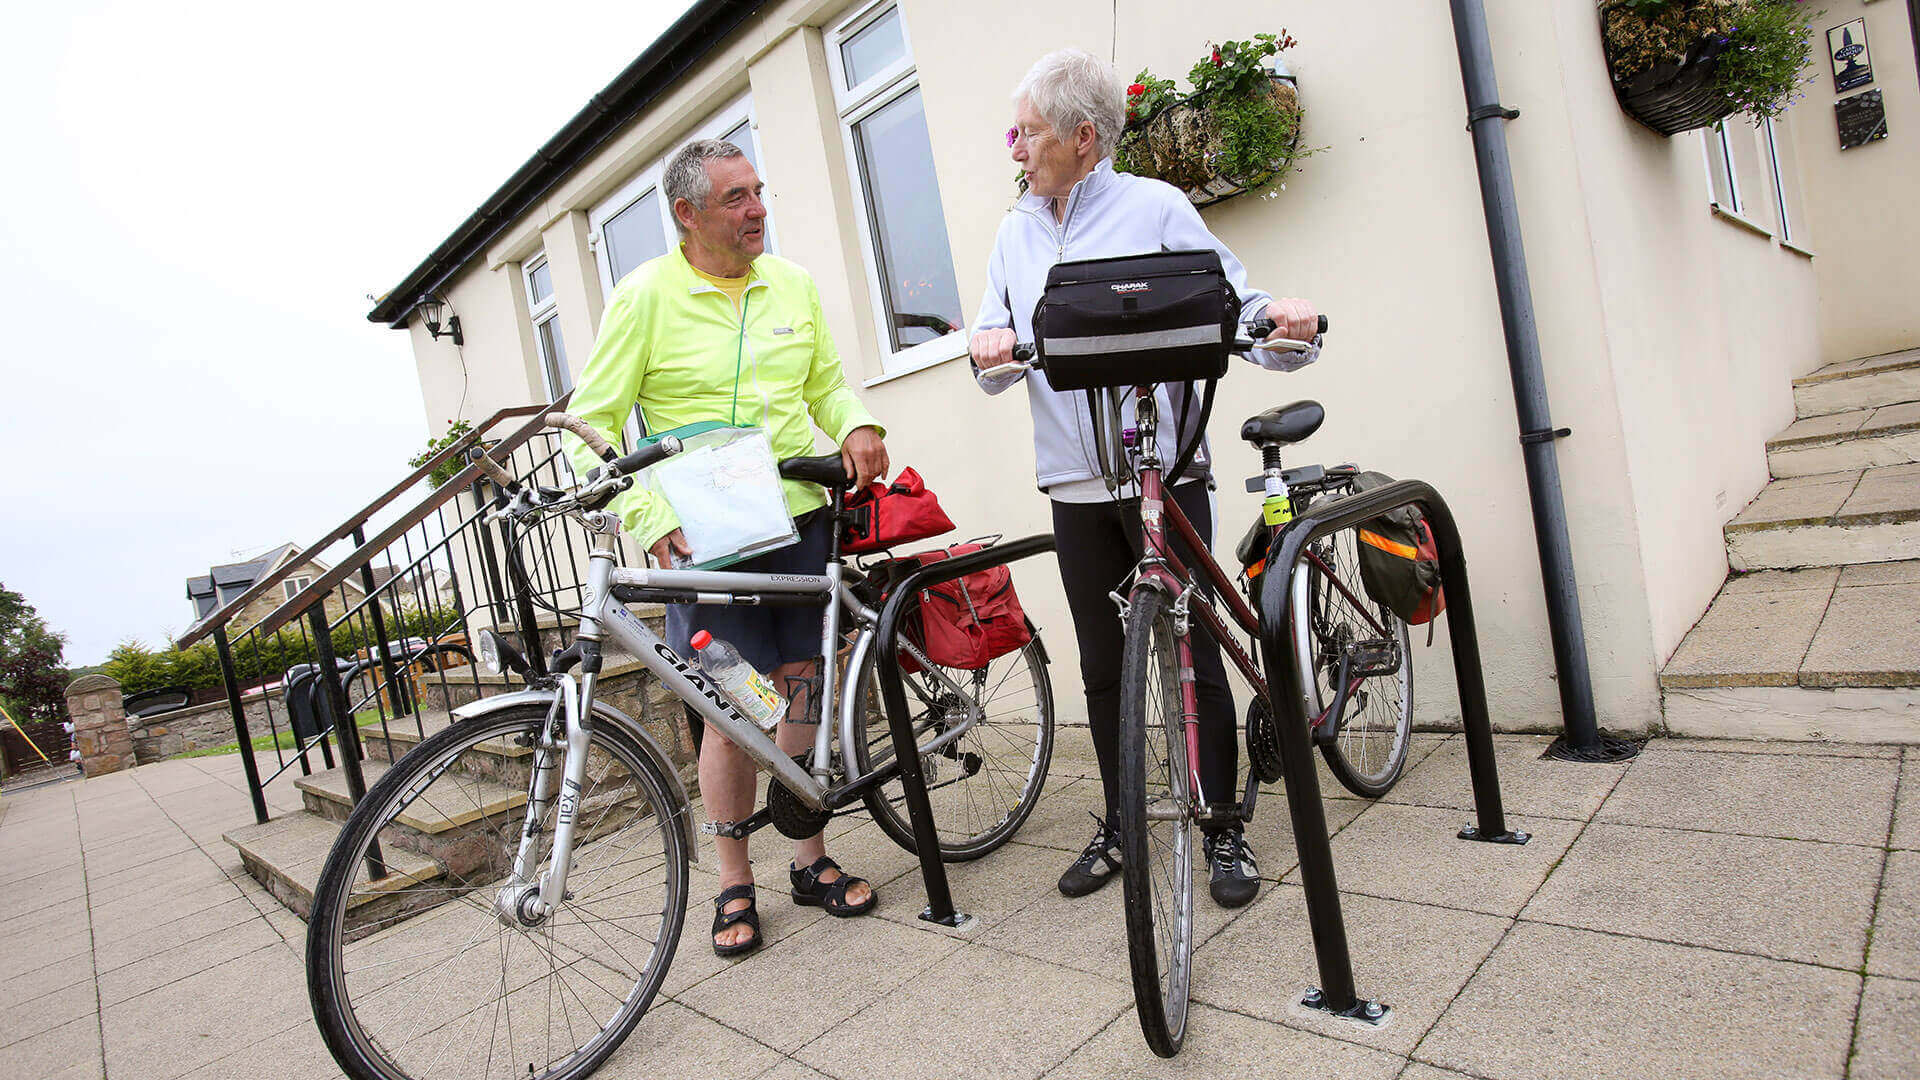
{"x": 33, "y": 670}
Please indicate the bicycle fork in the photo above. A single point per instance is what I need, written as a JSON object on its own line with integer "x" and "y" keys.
{"x": 525, "y": 901}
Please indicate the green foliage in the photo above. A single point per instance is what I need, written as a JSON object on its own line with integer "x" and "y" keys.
{"x": 1248, "y": 129}
{"x": 1769, "y": 44}
{"x": 1147, "y": 96}
{"x": 1238, "y": 68}
{"x": 33, "y": 672}
{"x": 255, "y": 659}
{"x": 456, "y": 430}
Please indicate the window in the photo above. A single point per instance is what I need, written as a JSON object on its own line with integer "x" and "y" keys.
{"x": 292, "y": 586}
{"x": 916, "y": 300}
{"x": 546, "y": 328}
{"x": 1723, "y": 177}
{"x": 1785, "y": 169}
{"x": 636, "y": 224}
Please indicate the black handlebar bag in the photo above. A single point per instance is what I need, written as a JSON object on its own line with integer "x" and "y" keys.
{"x": 1168, "y": 316}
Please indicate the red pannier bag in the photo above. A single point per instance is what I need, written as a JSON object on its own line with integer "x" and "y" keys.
{"x": 967, "y": 622}
{"x": 882, "y": 515}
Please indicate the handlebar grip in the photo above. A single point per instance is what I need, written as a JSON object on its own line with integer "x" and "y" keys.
{"x": 1024, "y": 353}
{"x": 478, "y": 455}
{"x": 1260, "y": 328}
{"x": 595, "y": 441}
{"x": 632, "y": 463}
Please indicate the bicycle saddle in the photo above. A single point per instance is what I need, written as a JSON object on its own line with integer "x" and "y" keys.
{"x": 827, "y": 470}
{"x": 1284, "y": 424}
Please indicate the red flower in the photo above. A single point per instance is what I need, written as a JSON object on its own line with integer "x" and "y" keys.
{"x": 1217, "y": 62}
{"x": 1136, "y": 90}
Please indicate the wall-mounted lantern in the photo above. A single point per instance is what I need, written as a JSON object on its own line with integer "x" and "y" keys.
{"x": 430, "y": 307}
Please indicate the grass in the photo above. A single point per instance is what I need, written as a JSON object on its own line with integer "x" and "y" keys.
{"x": 285, "y": 740}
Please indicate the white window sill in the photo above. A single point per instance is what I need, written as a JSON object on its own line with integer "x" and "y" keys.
{"x": 919, "y": 363}
{"x": 1796, "y": 248}
{"x": 1745, "y": 223}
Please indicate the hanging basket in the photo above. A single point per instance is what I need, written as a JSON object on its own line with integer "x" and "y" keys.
{"x": 1674, "y": 96}
{"x": 1179, "y": 144}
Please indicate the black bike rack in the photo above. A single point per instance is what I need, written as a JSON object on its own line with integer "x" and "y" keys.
{"x": 1336, "y": 992}
{"x": 893, "y": 694}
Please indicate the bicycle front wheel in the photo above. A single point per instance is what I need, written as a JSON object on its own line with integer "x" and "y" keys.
{"x": 1333, "y": 618}
{"x": 1156, "y": 822}
{"x": 983, "y": 782}
{"x": 428, "y": 963}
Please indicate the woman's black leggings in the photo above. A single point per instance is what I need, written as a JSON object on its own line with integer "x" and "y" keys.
{"x": 1098, "y": 544}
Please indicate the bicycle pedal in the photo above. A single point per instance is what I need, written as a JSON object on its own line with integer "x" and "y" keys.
{"x": 1373, "y": 657}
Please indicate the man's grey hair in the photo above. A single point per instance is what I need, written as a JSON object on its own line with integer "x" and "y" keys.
{"x": 686, "y": 174}
{"x": 1070, "y": 87}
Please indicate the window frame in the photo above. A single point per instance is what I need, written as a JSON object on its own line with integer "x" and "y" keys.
{"x": 1787, "y": 219}
{"x": 291, "y": 587}
{"x": 540, "y": 313}
{"x": 852, "y": 105}
{"x": 1722, "y": 164}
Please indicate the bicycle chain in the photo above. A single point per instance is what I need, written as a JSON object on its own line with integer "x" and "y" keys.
{"x": 1263, "y": 743}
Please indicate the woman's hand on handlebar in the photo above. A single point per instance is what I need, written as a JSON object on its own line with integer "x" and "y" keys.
{"x": 1293, "y": 319}
{"x": 992, "y": 348}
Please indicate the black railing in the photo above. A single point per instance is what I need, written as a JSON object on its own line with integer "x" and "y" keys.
{"x": 382, "y": 636}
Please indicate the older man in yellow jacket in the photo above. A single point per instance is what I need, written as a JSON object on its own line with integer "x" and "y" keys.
{"x": 716, "y": 329}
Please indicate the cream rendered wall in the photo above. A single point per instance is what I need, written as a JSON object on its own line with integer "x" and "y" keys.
{"x": 497, "y": 366}
{"x": 1701, "y": 382}
{"x": 1864, "y": 221}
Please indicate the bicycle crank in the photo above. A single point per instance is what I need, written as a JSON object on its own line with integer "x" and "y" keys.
{"x": 1263, "y": 742}
{"x": 795, "y": 819}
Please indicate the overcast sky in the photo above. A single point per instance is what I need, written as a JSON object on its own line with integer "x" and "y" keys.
{"x": 195, "y": 201}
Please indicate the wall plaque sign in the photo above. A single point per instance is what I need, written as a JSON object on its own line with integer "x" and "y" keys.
{"x": 1847, "y": 48}
{"x": 1862, "y": 119}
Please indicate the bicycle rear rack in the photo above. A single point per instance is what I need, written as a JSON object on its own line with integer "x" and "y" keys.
{"x": 1336, "y": 991}
{"x": 893, "y": 695}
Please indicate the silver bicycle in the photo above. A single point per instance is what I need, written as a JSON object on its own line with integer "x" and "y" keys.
{"x": 506, "y": 899}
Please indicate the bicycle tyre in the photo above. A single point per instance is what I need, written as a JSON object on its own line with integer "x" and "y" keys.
{"x": 1010, "y": 750}
{"x": 1368, "y": 754}
{"x": 1156, "y": 823}
{"x": 344, "y": 965}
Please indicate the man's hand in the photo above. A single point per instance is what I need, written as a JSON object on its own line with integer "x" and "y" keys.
{"x": 864, "y": 455}
{"x": 676, "y": 541}
{"x": 992, "y": 348}
{"x": 1293, "y": 318}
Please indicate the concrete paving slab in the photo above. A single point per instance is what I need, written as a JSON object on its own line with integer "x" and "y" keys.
{"x": 21, "y": 954}
{"x": 1528, "y": 785}
{"x": 1819, "y": 429}
{"x": 1073, "y": 755}
{"x": 1061, "y": 820}
{"x": 43, "y": 1012}
{"x": 1892, "y": 418}
{"x": 119, "y": 952}
{"x": 1805, "y": 500}
{"x": 182, "y": 961}
{"x": 1414, "y": 853}
{"x": 1906, "y": 823}
{"x": 1226, "y": 1046}
{"x": 780, "y": 995}
{"x": 45, "y": 979}
{"x": 137, "y": 914}
{"x": 1870, "y": 637}
{"x": 1896, "y": 926}
{"x": 1783, "y": 747}
{"x": 1813, "y": 577}
{"x": 154, "y": 1036}
{"x": 977, "y": 1013}
{"x": 1560, "y": 1004}
{"x": 1783, "y": 899}
{"x": 71, "y": 1046}
{"x": 991, "y": 890}
{"x": 1413, "y": 957}
{"x": 1891, "y": 493}
{"x": 1418, "y": 1071}
{"x": 693, "y": 959}
{"x": 1270, "y": 834}
{"x": 789, "y": 1069}
{"x": 673, "y": 1042}
{"x": 294, "y": 1052}
{"x": 167, "y": 875}
{"x": 1904, "y": 572}
{"x": 1841, "y": 800}
{"x": 1887, "y": 1044}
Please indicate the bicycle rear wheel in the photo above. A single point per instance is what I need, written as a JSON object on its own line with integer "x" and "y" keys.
{"x": 983, "y": 784}
{"x": 1334, "y": 619}
{"x": 428, "y": 969}
{"x": 1156, "y": 823}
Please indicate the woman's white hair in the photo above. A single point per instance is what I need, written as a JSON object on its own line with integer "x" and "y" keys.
{"x": 1070, "y": 87}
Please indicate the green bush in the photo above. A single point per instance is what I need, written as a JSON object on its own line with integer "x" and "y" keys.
{"x": 443, "y": 472}
{"x": 256, "y": 660}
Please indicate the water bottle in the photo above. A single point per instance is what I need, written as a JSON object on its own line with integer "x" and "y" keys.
{"x": 737, "y": 679}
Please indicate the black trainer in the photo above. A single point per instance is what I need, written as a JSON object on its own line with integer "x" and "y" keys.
{"x": 1235, "y": 876}
{"x": 1096, "y": 864}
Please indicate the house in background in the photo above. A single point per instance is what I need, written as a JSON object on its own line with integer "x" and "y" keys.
{"x": 428, "y": 588}
{"x": 1721, "y": 313}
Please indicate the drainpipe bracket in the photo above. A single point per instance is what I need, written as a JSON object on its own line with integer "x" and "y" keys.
{"x": 1488, "y": 112}
{"x": 1546, "y": 435}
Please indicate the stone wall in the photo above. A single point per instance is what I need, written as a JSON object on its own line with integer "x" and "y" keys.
{"x": 197, "y": 727}
{"x": 99, "y": 725}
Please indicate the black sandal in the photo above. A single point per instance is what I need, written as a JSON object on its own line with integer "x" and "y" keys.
{"x": 810, "y": 891}
{"x": 723, "y": 918}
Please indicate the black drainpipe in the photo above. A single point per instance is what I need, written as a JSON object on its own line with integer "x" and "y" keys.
{"x": 1582, "y": 740}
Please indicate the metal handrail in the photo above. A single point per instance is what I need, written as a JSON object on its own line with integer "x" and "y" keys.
{"x": 317, "y": 590}
{"x": 225, "y": 614}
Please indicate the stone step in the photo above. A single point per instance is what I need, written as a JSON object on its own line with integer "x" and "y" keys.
{"x": 405, "y": 733}
{"x": 1829, "y": 519}
{"x": 1826, "y": 653}
{"x": 1838, "y": 442}
{"x": 326, "y": 794}
{"x": 285, "y": 856}
{"x": 1859, "y": 384}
